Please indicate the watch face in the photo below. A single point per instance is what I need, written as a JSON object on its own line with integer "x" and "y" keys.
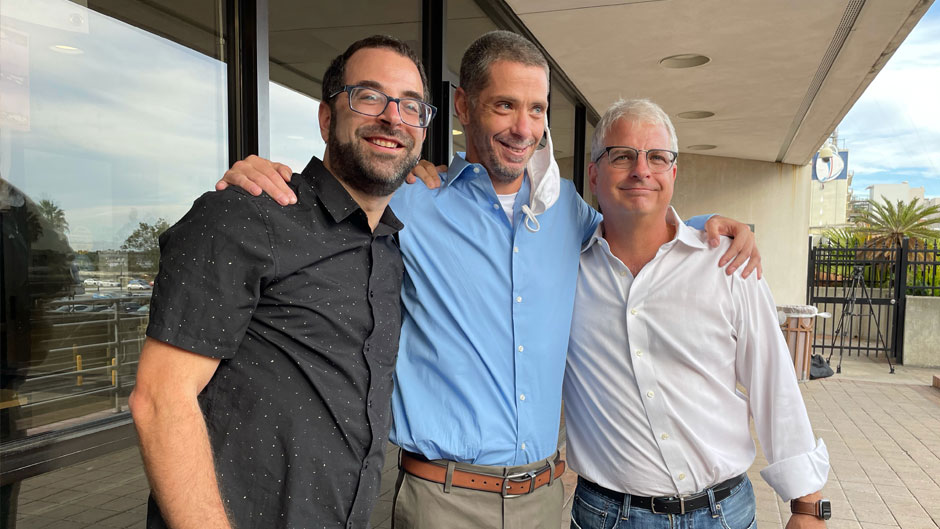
{"x": 825, "y": 509}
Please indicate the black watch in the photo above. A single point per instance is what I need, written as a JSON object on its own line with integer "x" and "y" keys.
{"x": 821, "y": 509}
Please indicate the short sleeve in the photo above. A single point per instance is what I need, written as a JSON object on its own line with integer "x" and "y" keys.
{"x": 214, "y": 264}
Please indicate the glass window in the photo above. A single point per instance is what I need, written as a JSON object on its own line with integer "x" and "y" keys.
{"x": 113, "y": 118}
{"x": 588, "y": 136}
{"x": 108, "y": 133}
{"x": 304, "y": 38}
{"x": 561, "y": 123}
{"x": 465, "y": 23}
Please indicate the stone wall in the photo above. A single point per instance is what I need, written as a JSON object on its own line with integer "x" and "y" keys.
{"x": 922, "y": 332}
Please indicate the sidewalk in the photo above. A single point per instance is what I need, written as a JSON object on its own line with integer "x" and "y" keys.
{"x": 882, "y": 431}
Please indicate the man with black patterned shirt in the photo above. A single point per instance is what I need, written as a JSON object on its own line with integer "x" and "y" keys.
{"x": 263, "y": 389}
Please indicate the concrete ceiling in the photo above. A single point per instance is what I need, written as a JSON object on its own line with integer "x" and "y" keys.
{"x": 781, "y": 77}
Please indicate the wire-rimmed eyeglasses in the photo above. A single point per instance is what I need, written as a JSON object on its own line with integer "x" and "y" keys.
{"x": 622, "y": 157}
{"x": 371, "y": 102}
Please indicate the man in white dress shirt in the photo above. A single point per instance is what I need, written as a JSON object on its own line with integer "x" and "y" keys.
{"x": 661, "y": 339}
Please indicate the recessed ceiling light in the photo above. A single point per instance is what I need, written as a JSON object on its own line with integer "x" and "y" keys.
{"x": 457, "y": 132}
{"x": 684, "y": 60}
{"x": 695, "y": 114}
{"x": 700, "y": 147}
{"x": 68, "y": 50}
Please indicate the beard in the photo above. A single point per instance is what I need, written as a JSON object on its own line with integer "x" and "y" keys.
{"x": 375, "y": 175}
{"x": 497, "y": 170}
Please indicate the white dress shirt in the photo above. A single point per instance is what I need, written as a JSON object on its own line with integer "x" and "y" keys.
{"x": 651, "y": 404}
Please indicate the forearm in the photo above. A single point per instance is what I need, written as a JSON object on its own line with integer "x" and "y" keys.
{"x": 178, "y": 461}
{"x": 806, "y": 521}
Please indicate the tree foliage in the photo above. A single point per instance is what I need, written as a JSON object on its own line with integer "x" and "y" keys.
{"x": 887, "y": 224}
{"x": 843, "y": 236}
{"x": 145, "y": 243}
{"x": 54, "y": 215}
{"x": 146, "y": 237}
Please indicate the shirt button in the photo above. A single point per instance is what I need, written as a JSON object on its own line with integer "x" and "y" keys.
{"x": 522, "y": 446}
{"x": 520, "y": 348}
{"x": 522, "y": 397}
{"x": 634, "y": 312}
{"x": 650, "y": 394}
{"x": 518, "y": 299}
{"x": 664, "y": 436}
{"x": 681, "y": 476}
{"x": 476, "y": 170}
{"x": 623, "y": 273}
{"x": 639, "y": 353}
{"x": 495, "y": 206}
{"x": 515, "y": 249}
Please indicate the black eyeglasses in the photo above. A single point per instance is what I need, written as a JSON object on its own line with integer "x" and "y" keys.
{"x": 370, "y": 102}
{"x": 658, "y": 160}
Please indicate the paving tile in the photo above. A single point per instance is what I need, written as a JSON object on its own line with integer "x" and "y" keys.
{"x": 36, "y": 522}
{"x": 878, "y": 515}
{"x": 91, "y": 516}
{"x": 836, "y": 523}
{"x": 121, "y": 520}
{"x": 916, "y": 523}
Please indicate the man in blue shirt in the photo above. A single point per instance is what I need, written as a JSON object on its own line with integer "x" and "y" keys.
{"x": 491, "y": 260}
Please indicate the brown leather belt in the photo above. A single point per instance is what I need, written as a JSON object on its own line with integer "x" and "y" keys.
{"x": 508, "y": 486}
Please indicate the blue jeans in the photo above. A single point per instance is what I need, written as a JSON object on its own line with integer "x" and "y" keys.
{"x": 593, "y": 510}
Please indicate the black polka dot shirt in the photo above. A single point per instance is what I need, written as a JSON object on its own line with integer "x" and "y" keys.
{"x": 302, "y": 306}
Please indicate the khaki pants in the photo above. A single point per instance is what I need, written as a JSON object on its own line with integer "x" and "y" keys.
{"x": 421, "y": 504}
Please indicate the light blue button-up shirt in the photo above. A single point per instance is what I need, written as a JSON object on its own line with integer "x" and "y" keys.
{"x": 486, "y": 315}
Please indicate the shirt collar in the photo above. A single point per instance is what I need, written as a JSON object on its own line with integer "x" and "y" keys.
{"x": 684, "y": 234}
{"x": 459, "y": 167}
{"x": 337, "y": 201}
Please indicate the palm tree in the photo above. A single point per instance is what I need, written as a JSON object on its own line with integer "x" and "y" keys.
{"x": 888, "y": 224}
{"x": 54, "y": 215}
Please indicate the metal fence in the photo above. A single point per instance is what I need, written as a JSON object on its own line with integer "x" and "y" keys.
{"x": 84, "y": 356}
{"x": 865, "y": 289}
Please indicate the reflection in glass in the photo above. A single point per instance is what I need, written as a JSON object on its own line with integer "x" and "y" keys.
{"x": 107, "y": 134}
{"x": 465, "y": 23}
{"x": 303, "y": 38}
{"x": 561, "y": 123}
{"x": 588, "y": 136}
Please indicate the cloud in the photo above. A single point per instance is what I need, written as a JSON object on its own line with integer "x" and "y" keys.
{"x": 893, "y": 131}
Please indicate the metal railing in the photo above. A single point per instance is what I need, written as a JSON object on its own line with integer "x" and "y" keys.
{"x": 81, "y": 363}
{"x": 865, "y": 289}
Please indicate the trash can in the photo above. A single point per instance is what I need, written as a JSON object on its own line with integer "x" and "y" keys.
{"x": 797, "y": 323}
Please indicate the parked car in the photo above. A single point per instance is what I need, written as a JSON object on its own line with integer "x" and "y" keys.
{"x": 104, "y": 295}
{"x": 90, "y": 282}
{"x": 138, "y": 286}
{"x": 106, "y": 283}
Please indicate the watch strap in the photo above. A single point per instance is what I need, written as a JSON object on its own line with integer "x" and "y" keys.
{"x": 804, "y": 507}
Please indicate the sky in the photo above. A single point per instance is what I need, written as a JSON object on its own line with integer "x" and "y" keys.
{"x": 125, "y": 126}
{"x": 893, "y": 130}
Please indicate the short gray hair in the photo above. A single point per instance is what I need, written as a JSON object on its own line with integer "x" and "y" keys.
{"x": 635, "y": 111}
{"x": 498, "y": 45}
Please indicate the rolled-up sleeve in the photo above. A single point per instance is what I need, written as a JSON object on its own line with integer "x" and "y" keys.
{"x": 799, "y": 463}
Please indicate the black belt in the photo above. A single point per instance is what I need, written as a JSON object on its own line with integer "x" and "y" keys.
{"x": 671, "y": 504}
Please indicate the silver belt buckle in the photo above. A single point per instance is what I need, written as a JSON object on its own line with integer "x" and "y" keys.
{"x": 530, "y": 475}
{"x": 681, "y": 505}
